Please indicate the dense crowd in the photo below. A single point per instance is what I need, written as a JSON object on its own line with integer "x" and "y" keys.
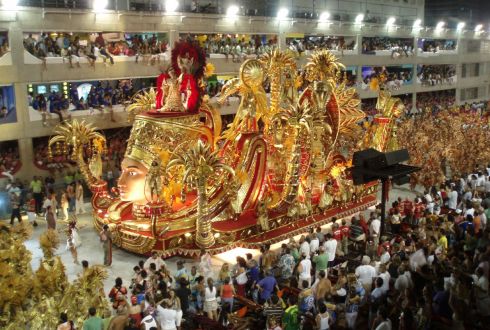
{"x": 308, "y": 43}
{"x": 431, "y": 75}
{"x": 234, "y": 46}
{"x": 434, "y": 46}
{"x": 394, "y": 77}
{"x": 72, "y": 48}
{"x": 9, "y": 159}
{"x": 397, "y": 46}
{"x": 426, "y": 267}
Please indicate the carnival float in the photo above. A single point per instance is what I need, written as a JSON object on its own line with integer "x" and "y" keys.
{"x": 279, "y": 169}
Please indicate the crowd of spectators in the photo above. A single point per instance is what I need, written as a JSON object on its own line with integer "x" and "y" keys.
{"x": 426, "y": 267}
{"x": 307, "y": 44}
{"x": 397, "y": 46}
{"x": 9, "y": 158}
{"x": 432, "y": 75}
{"x": 395, "y": 76}
{"x": 102, "y": 96}
{"x": 236, "y": 46}
{"x": 94, "y": 46}
{"x": 436, "y": 45}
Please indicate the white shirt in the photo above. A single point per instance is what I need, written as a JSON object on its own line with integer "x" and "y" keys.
{"x": 385, "y": 325}
{"x": 374, "y": 227}
{"x": 386, "y": 281}
{"x": 487, "y": 186}
{"x": 314, "y": 245}
{"x": 403, "y": 282}
{"x": 167, "y": 318}
{"x": 149, "y": 322}
{"x": 305, "y": 249}
{"x": 158, "y": 262}
{"x": 306, "y": 269}
{"x": 453, "y": 200}
{"x": 330, "y": 248}
{"x": 385, "y": 258}
{"x": 210, "y": 295}
{"x": 366, "y": 273}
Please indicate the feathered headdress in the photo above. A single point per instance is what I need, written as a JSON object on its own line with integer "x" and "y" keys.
{"x": 189, "y": 50}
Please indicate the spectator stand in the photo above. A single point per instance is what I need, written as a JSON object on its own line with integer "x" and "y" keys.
{"x": 8, "y": 111}
{"x": 436, "y": 47}
{"x": 82, "y": 98}
{"x": 75, "y": 48}
{"x": 9, "y": 159}
{"x": 5, "y": 54}
{"x": 386, "y": 46}
{"x": 433, "y": 75}
{"x": 396, "y": 76}
{"x": 304, "y": 45}
{"x": 237, "y": 47}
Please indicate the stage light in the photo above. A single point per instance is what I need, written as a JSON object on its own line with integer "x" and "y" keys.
{"x": 460, "y": 26}
{"x": 478, "y": 28}
{"x": 9, "y": 4}
{"x": 390, "y": 21}
{"x": 100, "y": 5}
{"x": 359, "y": 18}
{"x": 232, "y": 11}
{"x": 440, "y": 25}
{"x": 417, "y": 23}
{"x": 171, "y": 6}
{"x": 324, "y": 16}
{"x": 283, "y": 13}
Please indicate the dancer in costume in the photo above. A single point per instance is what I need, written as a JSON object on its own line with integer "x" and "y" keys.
{"x": 106, "y": 240}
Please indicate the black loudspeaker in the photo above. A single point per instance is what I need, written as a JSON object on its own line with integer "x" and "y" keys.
{"x": 383, "y": 160}
{"x": 360, "y": 158}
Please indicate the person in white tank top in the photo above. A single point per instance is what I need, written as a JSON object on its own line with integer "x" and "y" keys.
{"x": 210, "y": 302}
{"x": 323, "y": 318}
{"x": 304, "y": 270}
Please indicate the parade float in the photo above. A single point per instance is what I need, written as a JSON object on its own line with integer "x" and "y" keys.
{"x": 278, "y": 170}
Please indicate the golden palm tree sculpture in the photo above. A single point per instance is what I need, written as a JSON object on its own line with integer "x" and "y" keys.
{"x": 201, "y": 166}
{"x": 142, "y": 101}
{"x": 75, "y": 137}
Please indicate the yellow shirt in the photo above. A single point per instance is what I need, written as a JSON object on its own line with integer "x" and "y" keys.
{"x": 442, "y": 242}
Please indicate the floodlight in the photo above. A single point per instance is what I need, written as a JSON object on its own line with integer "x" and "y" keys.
{"x": 282, "y": 13}
{"x": 460, "y": 26}
{"x": 232, "y": 11}
{"x": 324, "y": 16}
{"x": 99, "y": 5}
{"x": 478, "y": 28}
{"x": 440, "y": 25}
{"x": 390, "y": 21}
{"x": 417, "y": 23}
{"x": 171, "y": 6}
{"x": 359, "y": 18}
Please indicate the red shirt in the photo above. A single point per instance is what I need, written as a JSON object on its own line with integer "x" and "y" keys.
{"x": 364, "y": 226}
{"x": 337, "y": 234}
{"x": 345, "y": 231}
{"x": 32, "y": 205}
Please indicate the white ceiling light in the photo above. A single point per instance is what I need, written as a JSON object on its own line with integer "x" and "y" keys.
{"x": 324, "y": 16}
{"x": 283, "y": 13}
{"x": 478, "y": 28}
{"x": 390, "y": 21}
{"x": 99, "y": 5}
{"x": 232, "y": 11}
{"x": 440, "y": 25}
{"x": 460, "y": 26}
{"x": 417, "y": 23}
{"x": 171, "y": 6}
{"x": 10, "y": 4}
{"x": 359, "y": 18}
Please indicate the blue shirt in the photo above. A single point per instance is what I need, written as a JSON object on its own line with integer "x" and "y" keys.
{"x": 267, "y": 284}
{"x": 254, "y": 273}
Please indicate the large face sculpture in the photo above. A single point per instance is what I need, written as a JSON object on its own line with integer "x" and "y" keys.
{"x": 131, "y": 184}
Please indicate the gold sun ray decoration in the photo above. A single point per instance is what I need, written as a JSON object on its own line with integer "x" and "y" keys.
{"x": 75, "y": 140}
{"x": 142, "y": 101}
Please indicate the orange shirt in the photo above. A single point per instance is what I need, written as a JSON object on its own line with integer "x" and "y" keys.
{"x": 227, "y": 291}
